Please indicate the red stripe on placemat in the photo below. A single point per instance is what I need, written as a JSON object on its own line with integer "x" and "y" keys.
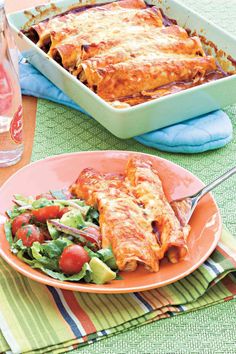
{"x": 163, "y": 294}
{"x": 228, "y": 298}
{"x": 226, "y": 255}
{"x": 148, "y": 298}
{"x": 229, "y": 284}
{"x": 79, "y": 312}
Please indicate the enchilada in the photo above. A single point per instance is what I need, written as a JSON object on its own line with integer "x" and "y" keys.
{"x": 135, "y": 217}
{"x": 125, "y": 51}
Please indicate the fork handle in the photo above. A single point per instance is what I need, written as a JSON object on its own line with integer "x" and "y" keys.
{"x": 215, "y": 183}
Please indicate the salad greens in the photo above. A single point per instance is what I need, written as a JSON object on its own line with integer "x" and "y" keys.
{"x": 75, "y": 226}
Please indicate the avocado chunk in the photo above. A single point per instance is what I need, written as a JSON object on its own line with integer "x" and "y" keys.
{"x": 73, "y": 218}
{"x": 101, "y": 273}
{"x": 54, "y": 233}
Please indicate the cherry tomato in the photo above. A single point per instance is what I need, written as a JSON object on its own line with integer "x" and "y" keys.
{"x": 29, "y": 234}
{"x": 62, "y": 212}
{"x": 72, "y": 259}
{"x": 95, "y": 237}
{"x": 19, "y": 221}
{"x": 48, "y": 196}
{"x": 45, "y": 213}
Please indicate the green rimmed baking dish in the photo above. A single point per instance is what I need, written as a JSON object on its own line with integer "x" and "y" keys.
{"x": 145, "y": 117}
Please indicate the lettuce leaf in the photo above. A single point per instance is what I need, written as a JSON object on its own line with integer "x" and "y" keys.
{"x": 54, "y": 233}
{"x": 8, "y": 233}
{"x": 22, "y": 200}
{"x": 92, "y": 216}
{"x": 18, "y": 246}
{"x": 23, "y": 255}
{"x": 15, "y": 211}
{"x": 91, "y": 253}
{"x": 107, "y": 256}
{"x": 55, "y": 248}
{"x": 42, "y": 202}
{"x": 44, "y": 260}
{"x": 85, "y": 273}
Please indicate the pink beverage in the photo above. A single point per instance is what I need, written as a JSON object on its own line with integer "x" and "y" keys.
{"x": 11, "y": 118}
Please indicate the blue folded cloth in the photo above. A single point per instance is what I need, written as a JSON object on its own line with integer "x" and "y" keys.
{"x": 207, "y": 132}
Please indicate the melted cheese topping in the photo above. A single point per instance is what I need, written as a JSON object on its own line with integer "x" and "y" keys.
{"x": 123, "y": 51}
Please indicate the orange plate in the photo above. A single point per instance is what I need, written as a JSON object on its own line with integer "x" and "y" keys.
{"x": 60, "y": 171}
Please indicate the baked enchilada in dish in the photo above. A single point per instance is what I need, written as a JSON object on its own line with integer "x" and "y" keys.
{"x": 126, "y": 51}
{"x": 135, "y": 217}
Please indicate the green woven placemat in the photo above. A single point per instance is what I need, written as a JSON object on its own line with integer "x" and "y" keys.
{"x": 210, "y": 330}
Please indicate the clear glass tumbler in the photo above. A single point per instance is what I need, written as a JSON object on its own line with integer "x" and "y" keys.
{"x": 11, "y": 114}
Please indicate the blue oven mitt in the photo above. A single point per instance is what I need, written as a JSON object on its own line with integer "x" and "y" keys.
{"x": 207, "y": 132}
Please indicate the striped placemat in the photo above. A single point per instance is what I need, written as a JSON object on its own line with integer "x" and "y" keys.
{"x": 35, "y": 318}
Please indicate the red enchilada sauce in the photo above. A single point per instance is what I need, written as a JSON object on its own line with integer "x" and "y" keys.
{"x": 174, "y": 87}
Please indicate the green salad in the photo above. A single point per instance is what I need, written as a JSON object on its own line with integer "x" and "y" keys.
{"x": 60, "y": 236}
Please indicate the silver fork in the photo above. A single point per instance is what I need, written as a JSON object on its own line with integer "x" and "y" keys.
{"x": 185, "y": 207}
